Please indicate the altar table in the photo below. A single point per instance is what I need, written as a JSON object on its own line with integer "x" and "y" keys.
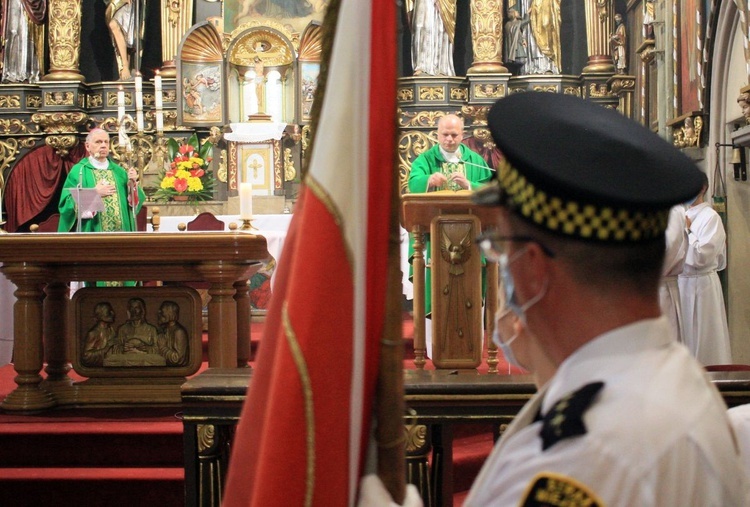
{"x": 41, "y": 265}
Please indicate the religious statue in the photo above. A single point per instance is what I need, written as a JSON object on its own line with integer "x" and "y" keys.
{"x": 544, "y": 55}
{"x": 516, "y": 47}
{"x": 433, "y": 26}
{"x": 689, "y": 134}
{"x": 744, "y": 102}
{"x": 100, "y": 338}
{"x": 648, "y": 19}
{"x": 618, "y": 46}
{"x": 125, "y": 21}
{"x": 23, "y": 55}
{"x": 173, "y": 337}
{"x": 260, "y": 81}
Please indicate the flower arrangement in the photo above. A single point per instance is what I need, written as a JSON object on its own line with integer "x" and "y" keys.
{"x": 188, "y": 176}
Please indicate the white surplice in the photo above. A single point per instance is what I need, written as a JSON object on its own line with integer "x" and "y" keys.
{"x": 674, "y": 261}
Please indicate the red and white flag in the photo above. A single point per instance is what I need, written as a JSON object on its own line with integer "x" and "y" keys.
{"x": 304, "y": 429}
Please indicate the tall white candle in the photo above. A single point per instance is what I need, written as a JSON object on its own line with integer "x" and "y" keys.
{"x": 159, "y": 121}
{"x": 139, "y": 120}
{"x": 157, "y": 91}
{"x": 139, "y": 101}
{"x": 120, "y": 103}
{"x": 246, "y": 201}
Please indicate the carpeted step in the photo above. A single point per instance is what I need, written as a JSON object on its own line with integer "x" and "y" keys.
{"x": 92, "y": 487}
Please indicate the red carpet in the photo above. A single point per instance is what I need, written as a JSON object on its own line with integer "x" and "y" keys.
{"x": 133, "y": 456}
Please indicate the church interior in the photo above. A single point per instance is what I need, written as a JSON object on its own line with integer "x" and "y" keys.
{"x": 230, "y": 86}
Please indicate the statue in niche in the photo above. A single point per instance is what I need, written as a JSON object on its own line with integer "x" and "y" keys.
{"x": 544, "y": 55}
{"x": 173, "y": 337}
{"x": 516, "y": 45}
{"x": 618, "y": 45}
{"x": 433, "y": 25}
{"x": 125, "y": 30}
{"x": 24, "y": 40}
{"x": 260, "y": 81}
{"x": 101, "y": 337}
{"x": 744, "y": 102}
{"x": 648, "y": 19}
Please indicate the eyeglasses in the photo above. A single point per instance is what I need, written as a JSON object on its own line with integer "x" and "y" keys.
{"x": 494, "y": 245}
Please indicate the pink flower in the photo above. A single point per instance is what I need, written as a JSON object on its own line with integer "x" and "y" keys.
{"x": 180, "y": 184}
{"x": 197, "y": 173}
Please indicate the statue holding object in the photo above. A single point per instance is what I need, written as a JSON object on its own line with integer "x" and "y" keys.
{"x": 125, "y": 19}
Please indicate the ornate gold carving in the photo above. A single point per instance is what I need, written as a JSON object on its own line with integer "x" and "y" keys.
{"x": 206, "y": 436}
{"x": 10, "y": 101}
{"x": 33, "y": 101}
{"x": 483, "y": 135}
{"x": 689, "y": 134}
{"x": 16, "y": 126}
{"x": 311, "y": 44}
{"x": 96, "y": 100}
{"x": 622, "y": 84}
{"x": 233, "y": 163}
{"x": 289, "y": 170}
{"x": 545, "y": 88}
{"x": 203, "y": 45}
{"x": 405, "y": 94}
{"x": 489, "y": 90}
{"x": 306, "y": 134}
{"x": 420, "y": 118}
{"x": 64, "y": 37}
{"x": 478, "y": 114}
{"x": 81, "y": 101}
{"x": 58, "y": 98}
{"x": 431, "y": 93}
{"x": 266, "y": 23}
{"x": 572, "y": 90}
{"x": 170, "y": 96}
{"x": 410, "y": 146}
{"x": 8, "y": 151}
{"x": 598, "y": 90}
{"x": 487, "y": 36}
{"x": 517, "y": 90}
{"x": 277, "y": 162}
{"x": 112, "y": 99}
{"x": 177, "y": 17}
{"x": 416, "y": 436}
{"x": 458, "y": 93}
{"x": 274, "y": 50}
{"x": 221, "y": 173}
{"x": 61, "y": 129}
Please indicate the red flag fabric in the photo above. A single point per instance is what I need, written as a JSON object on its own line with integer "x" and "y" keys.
{"x": 304, "y": 429}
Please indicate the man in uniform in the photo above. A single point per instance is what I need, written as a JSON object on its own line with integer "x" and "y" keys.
{"x": 629, "y": 417}
{"x": 449, "y": 165}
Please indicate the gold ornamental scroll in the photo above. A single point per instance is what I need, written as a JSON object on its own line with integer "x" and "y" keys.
{"x": 487, "y": 37}
{"x": 599, "y": 25}
{"x": 176, "y": 20}
{"x": 64, "y": 41}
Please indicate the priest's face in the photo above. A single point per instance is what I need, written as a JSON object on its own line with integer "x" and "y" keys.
{"x": 450, "y": 133}
{"x": 98, "y": 144}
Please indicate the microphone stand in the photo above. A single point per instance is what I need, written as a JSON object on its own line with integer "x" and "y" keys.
{"x": 78, "y": 199}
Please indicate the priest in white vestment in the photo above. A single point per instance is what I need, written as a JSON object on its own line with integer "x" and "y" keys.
{"x": 674, "y": 261}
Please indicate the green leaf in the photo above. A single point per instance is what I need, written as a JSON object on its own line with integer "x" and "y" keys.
{"x": 193, "y": 141}
{"x": 173, "y": 147}
{"x": 205, "y": 150}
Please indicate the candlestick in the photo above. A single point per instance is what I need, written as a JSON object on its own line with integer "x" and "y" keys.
{"x": 120, "y": 103}
{"x": 246, "y": 201}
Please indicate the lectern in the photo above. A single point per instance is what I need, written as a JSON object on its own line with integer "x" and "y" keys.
{"x": 452, "y": 221}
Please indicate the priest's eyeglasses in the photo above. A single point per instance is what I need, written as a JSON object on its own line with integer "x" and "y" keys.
{"x": 494, "y": 245}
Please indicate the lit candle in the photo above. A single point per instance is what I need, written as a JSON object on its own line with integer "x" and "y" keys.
{"x": 120, "y": 103}
{"x": 246, "y": 201}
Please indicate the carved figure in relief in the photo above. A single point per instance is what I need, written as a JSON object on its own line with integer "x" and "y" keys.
{"x": 173, "y": 337}
{"x": 744, "y": 102}
{"x": 100, "y": 338}
{"x": 136, "y": 336}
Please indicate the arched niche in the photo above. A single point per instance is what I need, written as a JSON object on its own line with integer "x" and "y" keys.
{"x": 201, "y": 76}
{"x": 254, "y": 54}
{"x": 308, "y": 63}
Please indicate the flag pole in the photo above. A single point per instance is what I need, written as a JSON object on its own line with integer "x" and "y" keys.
{"x": 390, "y": 388}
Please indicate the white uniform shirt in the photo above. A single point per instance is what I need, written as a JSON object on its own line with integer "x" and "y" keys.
{"x": 657, "y": 434}
{"x": 704, "y": 319}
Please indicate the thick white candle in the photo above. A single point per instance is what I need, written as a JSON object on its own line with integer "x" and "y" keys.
{"x": 246, "y": 201}
{"x": 138, "y": 92}
{"x": 157, "y": 91}
{"x": 159, "y": 121}
{"x": 139, "y": 119}
{"x": 120, "y": 103}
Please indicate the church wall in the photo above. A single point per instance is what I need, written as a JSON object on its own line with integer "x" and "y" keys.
{"x": 738, "y": 208}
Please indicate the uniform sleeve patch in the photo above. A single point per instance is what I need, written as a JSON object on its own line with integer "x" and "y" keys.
{"x": 547, "y": 489}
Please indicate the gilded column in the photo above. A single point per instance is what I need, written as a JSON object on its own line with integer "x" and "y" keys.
{"x": 64, "y": 41}
{"x": 599, "y": 26}
{"x": 487, "y": 37}
{"x": 176, "y": 20}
